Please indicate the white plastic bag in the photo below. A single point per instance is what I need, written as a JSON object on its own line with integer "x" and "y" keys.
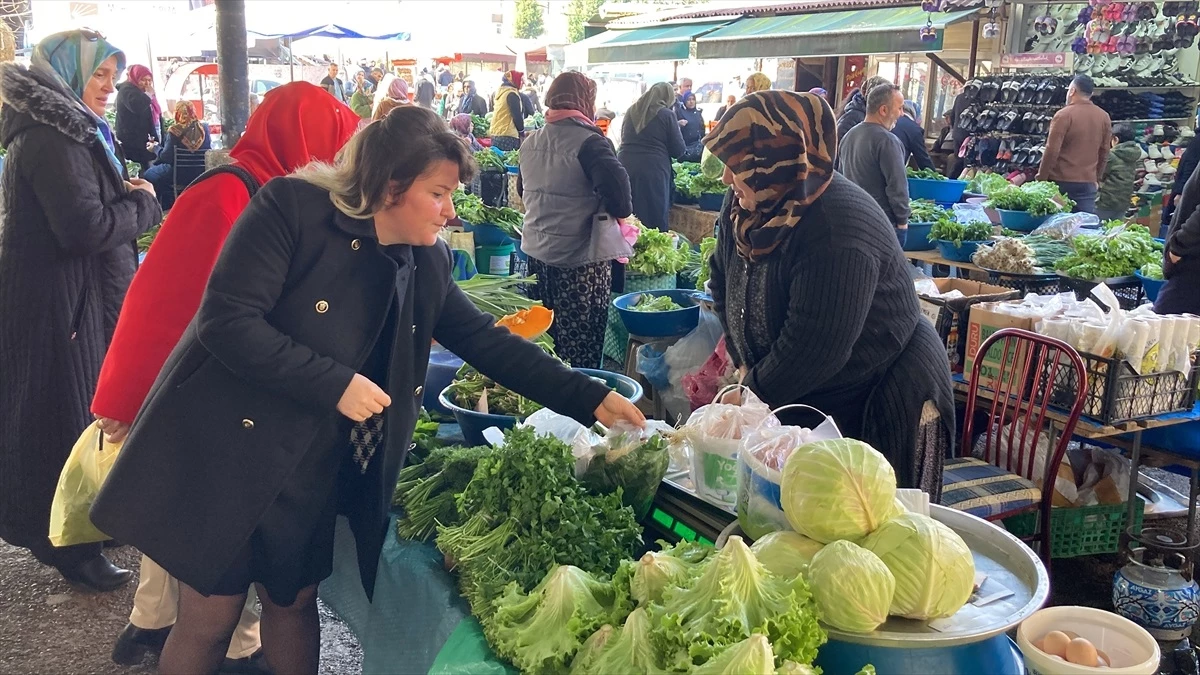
{"x": 1065, "y": 491}
{"x": 693, "y": 349}
{"x": 713, "y": 434}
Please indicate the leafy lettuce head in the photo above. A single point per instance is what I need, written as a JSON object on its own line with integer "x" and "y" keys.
{"x": 752, "y": 656}
{"x": 785, "y": 553}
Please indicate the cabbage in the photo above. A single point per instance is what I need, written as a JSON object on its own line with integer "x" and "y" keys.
{"x": 934, "y": 569}
{"x": 541, "y": 631}
{"x": 752, "y": 656}
{"x": 585, "y": 658}
{"x": 657, "y": 569}
{"x": 730, "y": 597}
{"x": 838, "y": 489}
{"x": 711, "y": 165}
{"x": 852, "y": 586}
{"x": 628, "y": 651}
{"x": 785, "y": 553}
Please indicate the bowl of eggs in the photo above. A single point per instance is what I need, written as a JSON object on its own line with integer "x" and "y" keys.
{"x": 1083, "y": 641}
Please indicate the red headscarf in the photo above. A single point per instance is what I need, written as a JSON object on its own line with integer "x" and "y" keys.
{"x": 515, "y": 78}
{"x": 136, "y": 73}
{"x": 296, "y": 124}
{"x": 571, "y": 92}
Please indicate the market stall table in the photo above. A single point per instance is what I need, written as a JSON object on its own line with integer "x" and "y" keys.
{"x": 692, "y": 223}
{"x": 935, "y": 258}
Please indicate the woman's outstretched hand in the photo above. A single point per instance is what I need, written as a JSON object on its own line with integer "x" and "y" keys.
{"x": 616, "y": 408}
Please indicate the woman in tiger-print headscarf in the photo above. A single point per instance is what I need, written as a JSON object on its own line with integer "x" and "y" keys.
{"x": 814, "y": 293}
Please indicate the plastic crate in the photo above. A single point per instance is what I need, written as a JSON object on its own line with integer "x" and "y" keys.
{"x": 1080, "y": 530}
{"x": 1127, "y": 289}
{"x": 1025, "y": 283}
{"x": 1115, "y": 393}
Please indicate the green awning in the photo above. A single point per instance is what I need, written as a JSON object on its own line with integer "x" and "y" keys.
{"x": 652, "y": 43}
{"x": 863, "y": 31}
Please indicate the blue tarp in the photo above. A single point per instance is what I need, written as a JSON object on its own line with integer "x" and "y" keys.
{"x": 332, "y": 30}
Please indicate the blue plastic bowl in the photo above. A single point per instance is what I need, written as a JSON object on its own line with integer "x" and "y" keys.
{"x": 659, "y": 324}
{"x": 918, "y": 237}
{"x": 487, "y": 234}
{"x": 1151, "y": 286}
{"x": 945, "y": 191}
{"x": 473, "y": 424}
{"x": 1020, "y": 221}
{"x": 711, "y": 202}
{"x": 958, "y": 253}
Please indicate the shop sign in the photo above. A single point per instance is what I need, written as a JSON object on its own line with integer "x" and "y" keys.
{"x": 1035, "y": 60}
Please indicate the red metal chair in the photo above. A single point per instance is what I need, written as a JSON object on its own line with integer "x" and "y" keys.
{"x": 1034, "y": 370}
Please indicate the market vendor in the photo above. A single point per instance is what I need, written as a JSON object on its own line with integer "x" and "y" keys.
{"x": 812, "y": 289}
{"x": 266, "y": 421}
{"x": 1181, "y": 256}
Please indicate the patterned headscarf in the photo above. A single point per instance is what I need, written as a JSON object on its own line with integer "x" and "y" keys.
{"x": 646, "y": 108}
{"x": 398, "y": 90}
{"x": 573, "y": 91}
{"x": 757, "y": 82}
{"x": 187, "y": 127}
{"x": 513, "y": 78}
{"x": 136, "y": 73}
{"x": 70, "y": 58}
{"x": 781, "y": 144}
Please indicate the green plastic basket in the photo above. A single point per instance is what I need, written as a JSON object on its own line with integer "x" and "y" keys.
{"x": 1081, "y": 530}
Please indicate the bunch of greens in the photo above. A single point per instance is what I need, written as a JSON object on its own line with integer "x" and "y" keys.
{"x": 1037, "y": 198}
{"x": 629, "y": 466}
{"x": 683, "y": 173}
{"x": 1118, "y": 250}
{"x": 926, "y": 211}
{"x": 468, "y": 207}
{"x": 708, "y": 246}
{"x": 1152, "y": 270}
{"x": 650, "y": 575}
{"x": 470, "y": 385}
{"x": 424, "y": 436}
{"x": 1047, "y": 250}
{"x": 696, "y": 184}
{"x": 656, "y": 253}
{"x": 480, "y": 126}
{"x": 147, "y": 238}
{"x": 509, "y": 220}
{"x": 927, "y": 174}
{"x": 947, "y": 228}
{"x": 535, "y": 121}
{"x": 1006, "y": 255}
{"x": 528, "y": 515}
{"x": 987, "y": 183}
{"x": 655, "y": 303}
{"x": 512, "y": 158}
{"x": 497, "y": 295}
{"x": 427, "y": 490}
{"x": 489, "y": 161}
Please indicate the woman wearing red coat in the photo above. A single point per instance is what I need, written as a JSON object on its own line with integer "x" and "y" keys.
{"x": 296, "y": 124}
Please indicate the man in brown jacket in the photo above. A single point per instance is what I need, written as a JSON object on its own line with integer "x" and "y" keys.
{"x": 1077, "y": 147}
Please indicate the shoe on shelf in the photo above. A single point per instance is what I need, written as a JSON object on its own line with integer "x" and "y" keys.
{"x": 98, "y": 574}
{"x": 1154, "y": 152}
{"x": 133, "y": 643}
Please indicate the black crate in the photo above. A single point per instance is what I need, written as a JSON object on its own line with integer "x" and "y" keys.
{"x": 1025, "y": 283}
{"x": 1115, "y": 393}
{"x": 1127, "y": 289}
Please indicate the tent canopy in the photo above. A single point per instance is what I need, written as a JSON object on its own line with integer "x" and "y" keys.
{"x": 652, "y": 43}
{"x": 330, "y": 30}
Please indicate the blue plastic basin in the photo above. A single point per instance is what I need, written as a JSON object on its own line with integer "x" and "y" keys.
{"x": 659, "y": 324}
{"x": 994, "y": 656}
{"x": 711, "y": 202}
{"x": 625, "y": 386}
{"x": 1020, "y": 221}
{"x": 918, "y": 237}
{"x": 945, "y": 191}
{"x": 487, "y": 234}
{"x": 443, "y": 364}
{"x": 958, "y": 253}
{"x": 1151, "y": 286}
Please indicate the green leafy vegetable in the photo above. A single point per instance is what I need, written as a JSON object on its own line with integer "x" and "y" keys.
{"x": 838, "y": 489}
{"x": 925, "y": 211}
{"x": 933, "y": 568}
{"x": 1152, "y": 270}
{"x": 488, "y": 160}
{"x": 470, "y": 385}
{"x": 752, "y": 656}
{"x": 852, "y": 586}
{"x": 655, "y": 303}
{"x": 512, "y": 158}
{"x": 625, "y": 463}
{"x": 629, "y": 650}
{"x": 785, "y": 553}
{"x": 507, "y": 219}
{"x": 656, "y": 253}
{"x": 987, "y": 183}
{"x": 949, "y": 229}
{"x": 468, "y": 207}
{"x": 1038, "y": 198}
{"x": 496, "y": 295}
{"x": 428, "y": 491}
{"x": 480, "y": 126}
{"x": 655, "y": 570}
{"x": 147, "y": 238}
{"x": 1117, "y": 251}
{"x": 586, "y": 657}
{"x": 1047, "y": 250}
{"x": 708, "y": 246}
{"x": 927, "y": 174}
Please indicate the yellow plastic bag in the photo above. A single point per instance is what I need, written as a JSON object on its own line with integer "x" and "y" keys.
{"x": 78, "y": 484}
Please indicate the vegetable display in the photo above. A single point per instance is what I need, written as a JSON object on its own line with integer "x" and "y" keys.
{"x": 1038, "y": 198}
{"x": 480, "y": 126}
{"x": 535, "y": 121}
{"x": 838, "y": 489}
{"x": 933, "y": 569}
{"x": 683, "y": 173}
{"x": 489, "y": 161}
{"x": 1118, "y": 250}
{"x": 468, "y": 207}
{"x": 147, "y": 238}
{"x": 1007, "y": 255}
{"x": 708, "y": 246}
{"x": 1047, "y": 250}
{"x": 507, "y": 219}
{"x": 512, "y": 158}
{"x": 653, "y": 303}
{"x": 475, "y": 391}
{"x": 785, "y": 553}
{"x": 426, "y": 490}
{"x": 986, "y": 183}
{"x": 949, "y": 229}
{"x": 497, "y": 295}
{"x": 926, "y": 174}
{"x": 696, "y": 184}
{"x": 656, "y": 253}
{"x": 1152, "y": 270}
{"x": 925, "y": 211}
{"x": 852, "y": 586}
{"x": 654, "y": 571}
{"x": 625, "y": 463}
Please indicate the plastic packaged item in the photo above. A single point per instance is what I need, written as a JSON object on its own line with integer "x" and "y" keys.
{"x": 713, "y": 434}
{"x": 634, "y": 460}
{"x": 1063, "y": 226}
{"x": 701, "y": 386}
{"x": 652, "y": 364}
{"x": 82, "y": 475}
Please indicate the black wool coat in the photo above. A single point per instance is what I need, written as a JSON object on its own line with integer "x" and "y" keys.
{"x": 647, "y": 156}
{"x": 135, "y": 123}
{"x": 1181, "y": 293}
{"x": 293, "y": 308}
{"x": 67, "y": 255}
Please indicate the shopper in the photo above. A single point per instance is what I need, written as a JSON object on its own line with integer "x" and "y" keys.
{"x": 461, "y": 125}
{"x": 574, "y": 190}
{"x": 1181, "y": 256}
{"x": 856, "y": 108}
{"x": 393, "y": 95}
{"x": 729, "y": 101}
{"x": 873, "y": 158}
{"x": 426, "y": 92}
{"x": 1183, "y": 173}
{"x": 508, "y": 113}
{"x": 757, "y": 82}
{"x": 293, "y": 435}
{"x": 360, "y": 100}
{"x": 333, "y": 84}
{"x": 296, "y": 124}
{"x": 187, "y": 133}
{"x": 684, "y": 88}
{"x": 472, "y": 103}
{"x": 1077, "y": 146}
{"x": 1116, "y": 190}
{"x": 944, "y": 151}
{"x": 691, "y": 127}
{"x": 139, "y": 117}
{"x": 70, "y": 220}
{"x": 912, "y": 137}
{"x": 650, "y": 139}
{"x": 815, "y": 296}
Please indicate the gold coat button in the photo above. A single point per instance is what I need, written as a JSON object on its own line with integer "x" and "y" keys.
{"x": 322, "y": 307}
{"x": 417, "y": 391}
{"x": 355, "y": 244}
{"x": 247, "y": 424}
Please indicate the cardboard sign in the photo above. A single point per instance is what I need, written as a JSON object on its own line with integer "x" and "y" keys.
{"x": 985, "y": 321}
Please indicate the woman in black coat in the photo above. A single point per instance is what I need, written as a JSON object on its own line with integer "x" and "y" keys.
{"x": 67, "y": 254}
{"x": 1181, "y": 257}
{"x": 137, "y": 117}
{"x": 814, "y": 293}
{"x": 650, "y": 139}
{"x": 266, "y": 422}
{"x": 691, "y": 128}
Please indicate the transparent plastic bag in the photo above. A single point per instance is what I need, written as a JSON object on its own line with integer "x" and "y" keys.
{"x": 1063, "y": 226}
{"x": 701, "y": 386}
{"x": 713, "y": 434}
{"x": 82, "y": 476}
{"x": 634, "y": 460}
{"x": 653, "y": 365}
{"x": 690, "y": 353}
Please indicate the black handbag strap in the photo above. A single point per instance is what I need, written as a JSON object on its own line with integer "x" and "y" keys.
{"x": 246, "y": 177}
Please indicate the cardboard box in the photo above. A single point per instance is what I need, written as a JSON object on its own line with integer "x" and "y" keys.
{"x": 984, "y": 321}
{"x": 949, "y": 316}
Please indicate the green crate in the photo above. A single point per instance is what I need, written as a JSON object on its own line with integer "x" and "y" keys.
{"x": 1080, "y": 530}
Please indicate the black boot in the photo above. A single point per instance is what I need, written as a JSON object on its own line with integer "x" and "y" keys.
{"x": 133, "y": 643}
{"x": 98, "y": 574}
{"x": 254, "y": 664}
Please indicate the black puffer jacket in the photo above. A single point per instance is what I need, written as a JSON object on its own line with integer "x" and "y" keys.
{"x": 67, "y": 255}
{"x": 1181, "y": 293}
{"x": 135, "y": 123}
{"x": 853, "y": 115}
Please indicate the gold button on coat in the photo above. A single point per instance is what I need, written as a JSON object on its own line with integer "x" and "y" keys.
{"x": 417, "y": 391}
{"x": 322, "y": 307}
{"x": 355, "y": 244}
{"x": 248, "y": 423}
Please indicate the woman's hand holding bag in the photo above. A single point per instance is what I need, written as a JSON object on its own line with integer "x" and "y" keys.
{"x": 362, "y": 399}
{"x": 616, "y": 407}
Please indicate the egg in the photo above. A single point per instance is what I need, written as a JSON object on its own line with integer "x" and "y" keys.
{"x": 1082, "y": 652}
{"x": 1055, "y": 643}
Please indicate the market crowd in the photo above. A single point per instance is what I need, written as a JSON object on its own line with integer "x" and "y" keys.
{"x": 263, "y": 367}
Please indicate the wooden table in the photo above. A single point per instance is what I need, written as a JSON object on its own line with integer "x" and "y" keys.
{"x": 935, "y": 258}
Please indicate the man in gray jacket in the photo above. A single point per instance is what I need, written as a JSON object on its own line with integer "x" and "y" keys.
{"x": 873, "y": 158}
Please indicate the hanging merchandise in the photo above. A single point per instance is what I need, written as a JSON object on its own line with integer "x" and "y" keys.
{"x": 1008, "y": 119}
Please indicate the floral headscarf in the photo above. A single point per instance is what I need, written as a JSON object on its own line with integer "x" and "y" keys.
{"x": 757, "y": 82}
{"x": 782, "y": 145}
{"x": 187, "y": 127}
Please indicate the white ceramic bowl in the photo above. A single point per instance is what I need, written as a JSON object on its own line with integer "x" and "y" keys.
{"x": 1132, "y": 650}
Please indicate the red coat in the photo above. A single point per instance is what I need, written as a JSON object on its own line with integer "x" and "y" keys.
{"x": 295, "y": 124}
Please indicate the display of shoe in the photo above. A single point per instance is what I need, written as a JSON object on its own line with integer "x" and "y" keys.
{"x": 133, "y": 643}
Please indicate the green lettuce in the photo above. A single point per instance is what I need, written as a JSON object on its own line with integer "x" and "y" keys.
{"x": 628, "y": 651}
{"x": 730, "y": 597}
{"x": 585, "y": 658}
{"x": 852, "y": 586}
{"x": 793, "y": 668}
{"x": 654, "y": 571}
{"x": 540, "y": 632}
{"x": 933, "y": 567}
{"x": 752, "y": 656}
